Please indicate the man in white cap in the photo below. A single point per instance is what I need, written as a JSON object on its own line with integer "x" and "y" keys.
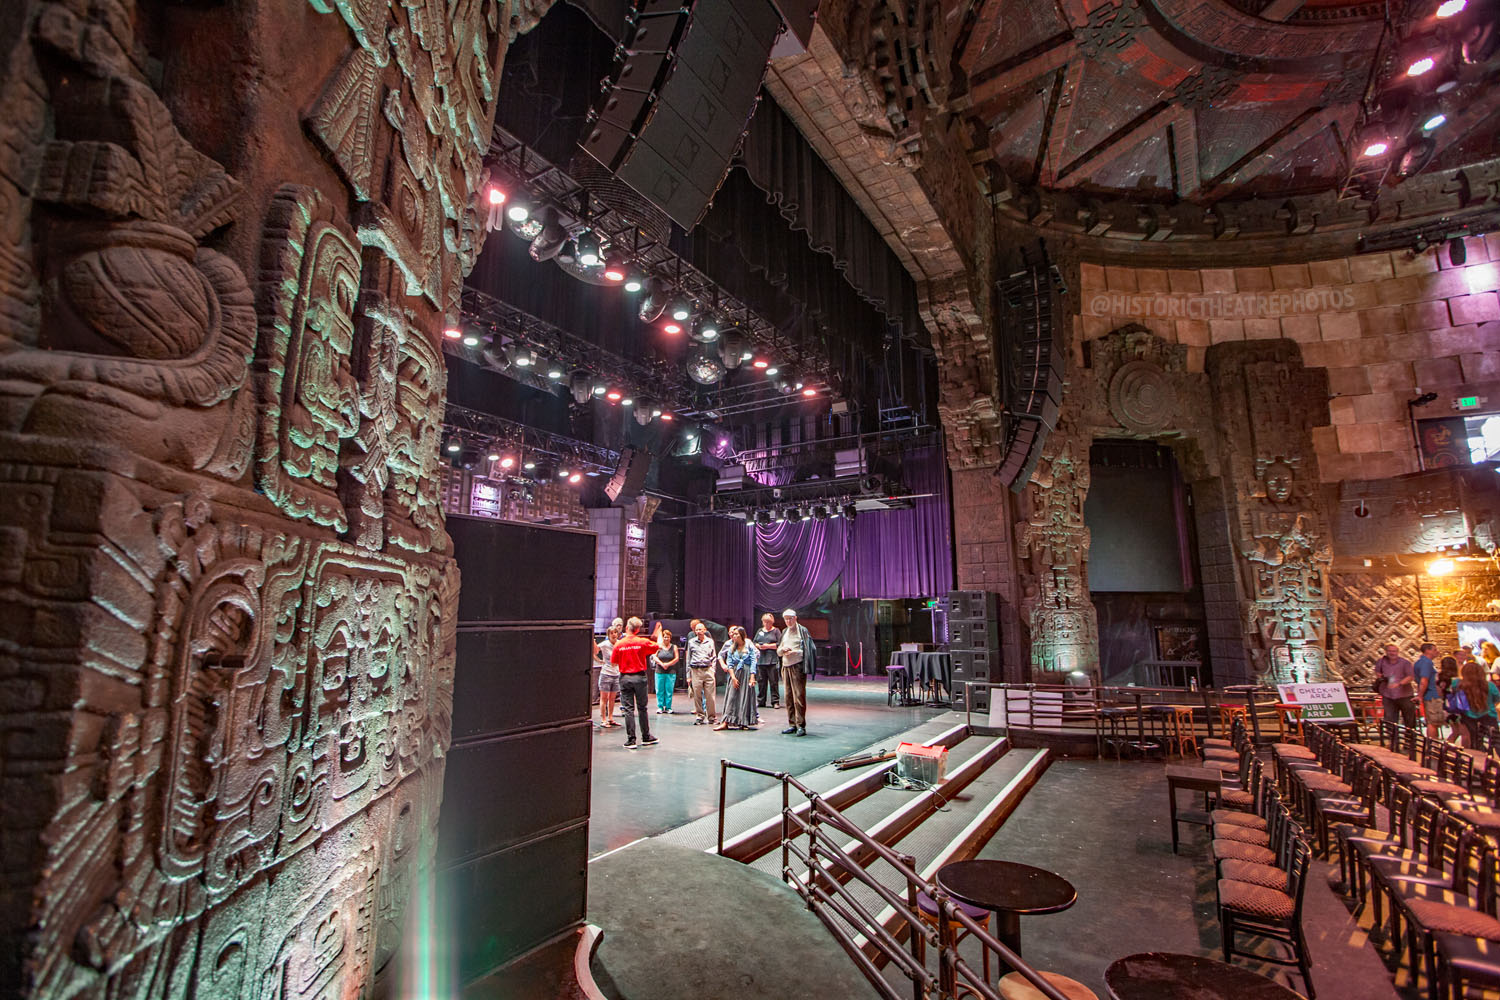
{"x": 798, "y": 659}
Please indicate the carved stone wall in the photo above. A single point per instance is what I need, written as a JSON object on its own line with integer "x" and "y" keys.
{"x": 1369, "y": 611}
{"x": 231, "y": 237}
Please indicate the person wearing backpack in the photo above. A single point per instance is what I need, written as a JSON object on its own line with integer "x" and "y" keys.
{"x": 1479, "y": 696}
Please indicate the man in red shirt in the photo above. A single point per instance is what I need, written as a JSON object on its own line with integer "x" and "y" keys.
{"x": 631, "y": 655}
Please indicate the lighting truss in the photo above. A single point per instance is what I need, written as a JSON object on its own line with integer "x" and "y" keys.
{"x": 497, "y": 432}
{"x": 547, "y": 182}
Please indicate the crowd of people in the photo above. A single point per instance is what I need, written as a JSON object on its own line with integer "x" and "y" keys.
{"x": 1456, "y": 694}
{"x": 754, "y": 667}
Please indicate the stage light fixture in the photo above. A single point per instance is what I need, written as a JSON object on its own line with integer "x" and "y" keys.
{"x": 723, "y": 442}
{"x": 575, "y": 479}
{"x": 549, "y": 239}
{"x": 1448, "y": 8}
{"x": 760, "y": 363}
{"x": 704, "y": 368}
{"x": 1377, "y": 148}
{"x": 454, "y": 446}
{"x": 614, "y": 395}
{"x": 580, "y": 386}
{"x": 452, "y": 333}
{"x": 587, "y": 246}
{"x": 496, "y": 196}
{"x": 772, "y": 371}
{"x": 731, "y": 348}
{"x": 809, "y": 392}
{"x": 667, "y": 417}
{"x": 652, "y": 302}
{"x": 1436, "y": 121}
{"x": 554, "y": 371}
{"x": 670, "y": 327}
{"x": 529, "y": 466}
{"x": 525, "y": 357}
{"x": 563, "y": 473}
{"x": 633, "y": 283}
{"x": 471, "y": 340}
{"x": 1419, "y": 66}
{"x": 851, "y": 511}
{"x": 706, "y": 330}
{"x": 494, "y": 456}
{"x": 763, "y": 517}
{"x": 599, "y": 387}
{"x": 1440, "y": 567}
{"x": 614, "y": 274}
{"x": 518, "y": 211}
{"x": 820, "y": 513}
{"x": 679, "y": 308}
{"x": 794, "y": 514}
{"x": 507, "y": 461}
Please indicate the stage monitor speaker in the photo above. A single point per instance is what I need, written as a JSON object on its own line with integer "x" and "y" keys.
{"x": 675, "y": 149}
{"x": 972, "y": 605}
{"x": 629, "y": 478}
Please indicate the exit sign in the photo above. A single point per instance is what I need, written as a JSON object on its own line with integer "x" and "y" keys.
{"x": 1467, "y": 402}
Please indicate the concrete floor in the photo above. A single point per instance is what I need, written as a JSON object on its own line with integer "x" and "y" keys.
{"x": 1103, "y": 825}
{"x": 644, "y": 792}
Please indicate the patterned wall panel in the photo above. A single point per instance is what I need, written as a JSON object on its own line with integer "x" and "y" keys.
{"x": 1370, "y": 610}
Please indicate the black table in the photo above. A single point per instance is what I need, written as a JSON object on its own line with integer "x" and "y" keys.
{"x": 1165, "y": 976}
{"x": 1010, "y": 889}
{"x": 926, "y": 668}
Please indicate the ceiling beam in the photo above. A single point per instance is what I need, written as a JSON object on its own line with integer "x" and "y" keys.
{"x": 1060, "y": 121}
{"x": 983, "y": 25}
{"x": 1145, "y": 125}
{"x": 1279, "y": 143}
{"x": 994, "y": 84}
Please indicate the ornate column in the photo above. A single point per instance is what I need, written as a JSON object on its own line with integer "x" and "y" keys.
{"x": 232, "y": 234}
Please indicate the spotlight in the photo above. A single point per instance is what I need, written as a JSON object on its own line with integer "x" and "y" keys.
{"x": 614, "y": 274}
{"x": 525, "y": 357}
{"x": 507, "y": 462}
{"x": 587, "y": 246}
{"x": 653, "y": 302}
{"x": 667, "y": 417}
{"x": 809, "y": 392}
{"x": 494, "y": 456}
{"x": 529, "y": 466}
{"x": 452, "y": 333}
{"x": 1420, "y": 66}
{"x": 598, "y": 387}
{"x": 549, "y": 239}
{"x": 1450, "y": 7}
{"x": 632, "y": 283}
{"x": 1377, "y": 148}
{"x": 518, "y": 211}
{"x": 679, "y": 308}
{"x": 575, "y": 479}
{"x": 761, "y": 363}
{"x": 723, "y": 442}
{"x": 706, "y": 330}
{"x": 771, "y": 370}
{"x": 762, "y": 517}
{"x": 563, "y": 473}
{"x": 820, "y": 513}
{"x": 1436, "y": 121}
{"x": 453, "y": 447}
{"x": 732, "y": 348}
{"x": 794, "y": 514}
{"x": 614, "y": 395}
{"x": 471, "y": 340}
{"x": 1458, "y": 253}
{"x": 580, "y": 386}
{"x": 496, "y": 196}
{"x": 1440, "y": 567}
{"x": 496, "y": 357}
{"x": 851, "y": 511}
{"x": 671, "y": 328}
{"x": 554, "y": 371}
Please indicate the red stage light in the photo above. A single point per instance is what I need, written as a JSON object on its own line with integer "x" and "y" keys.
{"x": 761, "y": 363}
{"x": 809, "y": 392}
{"x": 1420, "y": 66}
{"x": 497, "y": 197}
{"x": 575, "y": 478}
{"x": 671, "y": 328}
{"x": 507, "y": 462}
{"x": 667, "y": 417}
{"x": 614, "y": 395}
{"x": 453, "y": 333}
{"x": 614, "y": 274}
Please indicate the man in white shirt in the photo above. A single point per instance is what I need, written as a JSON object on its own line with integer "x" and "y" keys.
{"x": 798, "y": 658}
{"x": 701, "y": 653}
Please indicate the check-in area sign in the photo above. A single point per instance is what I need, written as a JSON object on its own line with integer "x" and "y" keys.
{"x": 1319, "y": 702}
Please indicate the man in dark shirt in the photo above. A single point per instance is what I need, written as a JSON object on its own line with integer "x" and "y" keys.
{"x": 1427, "y": 689}
{"x": 632, "y": 653}
{"x": 768, "y": 669}
{"x": 1397, "y": 686}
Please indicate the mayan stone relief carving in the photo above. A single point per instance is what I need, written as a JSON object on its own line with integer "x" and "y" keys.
{"x": 226, "y": 606}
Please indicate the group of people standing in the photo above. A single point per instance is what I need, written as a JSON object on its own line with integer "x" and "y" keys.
{"x": 753, "y": 668}
{"x": 1457, "y": 690}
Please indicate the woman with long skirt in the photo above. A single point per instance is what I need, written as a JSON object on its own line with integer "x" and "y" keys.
{"x": 739, "y": 657}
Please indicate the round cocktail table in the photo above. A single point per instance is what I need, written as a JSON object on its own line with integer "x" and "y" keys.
{"x": 1165, "y": 976}
{"x": 1010, "y": 889}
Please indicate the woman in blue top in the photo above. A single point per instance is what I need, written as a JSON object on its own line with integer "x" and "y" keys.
{"x": 739, "y": 658}
{"x": 1483, "y": 696}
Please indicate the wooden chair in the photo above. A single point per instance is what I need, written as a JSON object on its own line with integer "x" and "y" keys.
{"x": 1261, "y": 911}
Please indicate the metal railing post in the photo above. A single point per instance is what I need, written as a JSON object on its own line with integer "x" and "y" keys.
{"x": 723, "y": 780}
{"x": 812, "y": 847}
{"x": 917, "y": 939}
{"x": 947, "y": 984}
{"x": 786, "y": 847}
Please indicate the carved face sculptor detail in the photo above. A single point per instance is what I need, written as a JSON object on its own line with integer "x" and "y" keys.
{"x": 1278, "y": 481}
{"x": 324, "y": 405}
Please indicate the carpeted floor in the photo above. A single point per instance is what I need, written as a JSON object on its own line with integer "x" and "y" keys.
{"x": 684, "y": 925}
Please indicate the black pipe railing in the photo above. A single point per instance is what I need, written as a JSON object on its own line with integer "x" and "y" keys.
{"x": 848, "y": 919}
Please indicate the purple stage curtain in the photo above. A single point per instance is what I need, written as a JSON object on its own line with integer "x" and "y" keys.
{"x": 796, "y": 562}
{"x": 718, "y": 570}
{"x": 899, "y": 554}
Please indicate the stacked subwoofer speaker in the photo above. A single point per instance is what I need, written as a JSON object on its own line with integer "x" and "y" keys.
{"x": 973, "y": 642}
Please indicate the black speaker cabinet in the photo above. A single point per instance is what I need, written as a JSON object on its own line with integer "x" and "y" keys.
{"x": 630, "y": 476}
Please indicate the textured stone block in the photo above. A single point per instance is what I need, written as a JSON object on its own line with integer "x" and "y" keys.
{"x": 1348, "y": 381}
{"x": 1436, "y": 373}
{"x": 1303, "y": 329}
{"x": 1290, "y": 276}
{"x": 1253, "y": 279}
{"x": 1219, "y": 280}
{"x": 1393, "y": 376}
{"x": 1481, "y": 308}
{"x": 1339, "y": 326}
{"x": 1356, "y": 438}
{"x": 1329, "y": 272}
{"x": 1370, "y": 267}
{"x": 1181, "y": 280}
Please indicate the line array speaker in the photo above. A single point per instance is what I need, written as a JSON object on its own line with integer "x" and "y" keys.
{"x": 1034, "y": 352}
{"x": 630, "y": 476}
{"x": 684, "y": 95}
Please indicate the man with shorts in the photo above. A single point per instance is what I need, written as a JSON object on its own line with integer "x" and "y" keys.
{"x": 1427, "y": 689}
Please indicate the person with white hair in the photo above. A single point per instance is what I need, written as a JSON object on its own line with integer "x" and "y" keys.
{"x": 798, "y": 659}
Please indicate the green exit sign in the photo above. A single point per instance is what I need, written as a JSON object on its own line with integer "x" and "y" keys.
{"x": 1467, "y": 402}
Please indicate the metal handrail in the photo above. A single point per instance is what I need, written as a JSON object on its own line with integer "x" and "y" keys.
{"x": 832, "y": 900}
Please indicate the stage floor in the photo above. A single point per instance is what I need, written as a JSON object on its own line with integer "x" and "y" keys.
{"x": 644, "y": 792}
